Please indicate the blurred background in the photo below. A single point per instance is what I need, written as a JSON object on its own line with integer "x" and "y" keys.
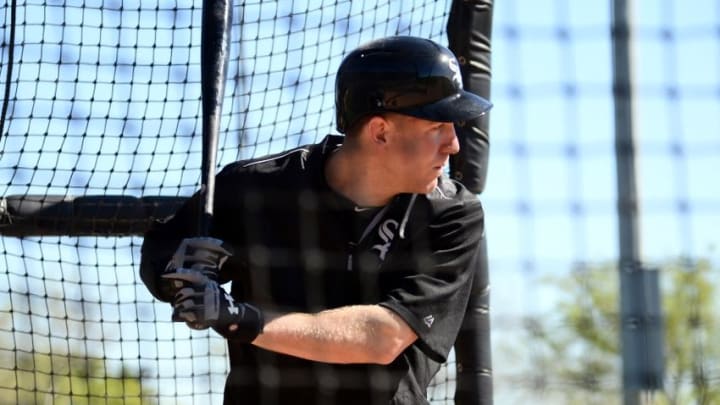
{"x": 103, "y": 98}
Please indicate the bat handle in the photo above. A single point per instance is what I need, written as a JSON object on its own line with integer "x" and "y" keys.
{"x": 215, "y": 45}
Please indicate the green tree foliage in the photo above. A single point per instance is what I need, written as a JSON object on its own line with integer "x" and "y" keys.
{"x": 64, "y": 377}
{"x": 57, "y": 379}
{"x": 575, "y": 351}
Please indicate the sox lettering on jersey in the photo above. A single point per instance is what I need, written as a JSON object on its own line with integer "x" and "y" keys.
{"x": 387, "y": 234}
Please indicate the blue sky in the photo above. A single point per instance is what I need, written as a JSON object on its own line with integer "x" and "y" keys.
{"x": 568, "y": 141}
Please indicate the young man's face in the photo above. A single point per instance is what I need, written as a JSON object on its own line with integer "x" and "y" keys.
{"x": 418, "y": 150}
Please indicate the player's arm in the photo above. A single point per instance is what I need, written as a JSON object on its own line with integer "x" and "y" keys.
{"x": 379, "y": 333}
{"x": 352, "y": 334}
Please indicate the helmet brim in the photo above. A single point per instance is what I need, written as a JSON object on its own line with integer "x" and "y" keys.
{"x": 462, "y": 106}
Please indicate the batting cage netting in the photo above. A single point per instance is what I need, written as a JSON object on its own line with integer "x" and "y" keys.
{"x": 101, "y": 134}
{"x": 101, "y": 121}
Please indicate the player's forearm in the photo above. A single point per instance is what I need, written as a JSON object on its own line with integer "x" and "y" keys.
{"x": 355, "y": 334}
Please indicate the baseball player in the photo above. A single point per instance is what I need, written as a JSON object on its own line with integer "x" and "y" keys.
{"x": 338, "y": 272}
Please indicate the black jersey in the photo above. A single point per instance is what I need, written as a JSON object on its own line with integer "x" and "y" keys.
{"x": 300, "y": 246}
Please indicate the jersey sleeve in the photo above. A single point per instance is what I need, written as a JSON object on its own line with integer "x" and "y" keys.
{"x": 163, "y": 238}
{"x": 432, "y": 295}
{"x": 160, "y": 242}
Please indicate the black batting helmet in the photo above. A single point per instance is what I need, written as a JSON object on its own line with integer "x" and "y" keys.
{"x": 406, "y": 75}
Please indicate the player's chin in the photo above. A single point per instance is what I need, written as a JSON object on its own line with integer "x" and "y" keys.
{"x": 428, "y": 187}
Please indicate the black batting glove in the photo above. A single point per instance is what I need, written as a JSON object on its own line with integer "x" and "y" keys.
{"x": 201, "y": 303}
{"x": 202, "y": 254}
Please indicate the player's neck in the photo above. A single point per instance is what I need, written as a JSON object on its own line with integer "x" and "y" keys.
{"x": 355, "y": 177}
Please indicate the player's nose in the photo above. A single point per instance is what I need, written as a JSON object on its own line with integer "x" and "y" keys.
{"x": 451, "y": 145}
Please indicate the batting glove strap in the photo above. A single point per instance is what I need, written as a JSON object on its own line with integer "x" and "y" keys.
{"x": 240, "y": 322}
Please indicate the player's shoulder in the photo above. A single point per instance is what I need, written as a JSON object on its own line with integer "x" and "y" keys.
{"x": 451, "y": 203}
{"x": 289, "y": 163}
{"x": 272, "y": 163}
{"x": 449, "y": 209}
{"x": 449, "y": 193}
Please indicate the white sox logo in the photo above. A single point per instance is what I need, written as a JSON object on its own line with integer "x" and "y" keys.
{"x": 387, "y": 234}
{"x": 457, "y": 78}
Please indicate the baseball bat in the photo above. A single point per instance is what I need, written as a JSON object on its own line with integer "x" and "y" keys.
{"x": 215, "y": 46}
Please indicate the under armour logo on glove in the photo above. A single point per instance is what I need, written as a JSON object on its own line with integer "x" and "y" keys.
{"x": 231, "y": 305}
{"x": 201, "y": 303}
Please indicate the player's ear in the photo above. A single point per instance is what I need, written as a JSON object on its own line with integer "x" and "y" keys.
{"x": 377, "y": 128}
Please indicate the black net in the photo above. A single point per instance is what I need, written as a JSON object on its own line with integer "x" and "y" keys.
{"x": 103, "y": 98}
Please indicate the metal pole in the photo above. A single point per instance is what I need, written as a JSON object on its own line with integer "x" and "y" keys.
{"x": 640, "y": 314}
{"x": 469, "y": 30}
{"x": 626, "y": 184}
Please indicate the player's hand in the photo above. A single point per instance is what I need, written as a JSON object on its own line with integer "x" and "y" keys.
{"x": 201, "y": 254}
{"x": 201, "y": 303}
